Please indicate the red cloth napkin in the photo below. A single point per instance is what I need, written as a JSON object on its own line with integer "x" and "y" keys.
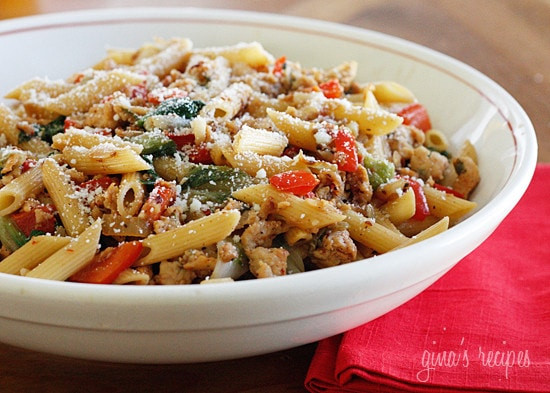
{"x": 483, "y": 327}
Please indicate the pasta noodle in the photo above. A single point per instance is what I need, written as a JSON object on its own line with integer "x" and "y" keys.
{"x": 105, "y": 159}
{"x": 436, "y": 140}
{"x": 71, "y": 258}
{"x": 300, "y": 133}
{"x": 82, "y": 97}
{"x": 8, "y": 124}
{"x": 32, "y": 253}
{"x": 130, "y": 195}
{"x": 259, "y": 141}
{"x": 169, "y": 164}
{"x": 63, "y": 194}
{"x": 13, "y": 195}
{"x": 196, "y": 234}
{"x": 302, "y": 213}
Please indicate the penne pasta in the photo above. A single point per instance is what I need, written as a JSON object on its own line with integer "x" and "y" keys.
{"x": 131, "y": 195}
{"x": 434, "y": 229}
{"x": 307, "y": 213}
{"x": 13, "y": 195}
{"x": 370, "y": 121}
{"x": 229, "y": 102}
{"x": 468, "y": 150}
{"x": 71, "y": 258}
{"x": 442, "y": 204}
{"x": 252, "y": 54}
{"x": 436, "y": 140}
{"x": 32, "y": 253}
{"x": 104, "y": 158}
{"x": 259, "y": 141}
{"x": 8, "y": 124}
{"x": 300, "y": 133}
{"x": 83, "y": 138}
{"x": 36, "y": 87}
{"x": 390, "y": 91}
{"x": 82, "y": 97}
{"x": 64, "y": 196}
{"x": 174, "y": 56}
{"x": 195, "y": 234}
{"x": 372, "y": 234}
{"x": 253, "y": 163}
{"x": 401, "y": 208}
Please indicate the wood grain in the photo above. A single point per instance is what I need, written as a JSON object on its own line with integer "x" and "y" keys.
{"x": 508, "y": 40}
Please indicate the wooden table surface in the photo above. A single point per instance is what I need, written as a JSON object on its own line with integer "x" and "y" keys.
{"x": 508, "y": 40}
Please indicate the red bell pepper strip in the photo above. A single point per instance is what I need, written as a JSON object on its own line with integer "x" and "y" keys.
{"x": 422, "y": 210}
{"x": 447, "y": 190}
{"x": 100, "y": 182}
{"x": 331, "y": 88}
{"x": 162, "y": 196}
{"x": 344, "y": 144}
{"x": 182, "y": 140}
{"x": 28, "y": 164}
{"x": 200, "y": 154}
{"x": 416, "y": 115}
{"x": 108, "y": 264}
{"x": 298, "y": 183}
{"x": 28, "y": 222}
{"x": 279, "y": 65}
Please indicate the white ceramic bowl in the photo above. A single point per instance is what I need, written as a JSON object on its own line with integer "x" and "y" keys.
{"x": 159, "y": 324}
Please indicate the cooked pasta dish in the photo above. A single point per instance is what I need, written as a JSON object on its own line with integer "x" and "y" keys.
{"x": 170, "y": 164}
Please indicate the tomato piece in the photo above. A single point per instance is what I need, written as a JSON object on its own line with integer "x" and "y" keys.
{"x": 332, "y": 88}
{"x": 448, "y": 190}
{"x": 108, "y": 264}
{"x": 279, "y": 65}
{"x": 162, "y": 196}
{"x": 25, "y": 221}
{"x": 77, "y": 78}
{"x": 200, "y": 155}
{"x": 28, "y": 221}
{"x": 137, "y": 91}
{"x": 344, "y": 144}
{"x": 27, "y": 165}
{"x": 182, "y": 140}
{"x": 100, "y": 182}
{"x": 159, "y": 95}
{"x": 416, "y": 115}
{"x": 422, "y": 210}
{"x": 68, "y": 123}
{"x": 296, "y": 182}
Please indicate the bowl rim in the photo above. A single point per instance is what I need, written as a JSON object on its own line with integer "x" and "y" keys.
{"x": 501, "y": 204}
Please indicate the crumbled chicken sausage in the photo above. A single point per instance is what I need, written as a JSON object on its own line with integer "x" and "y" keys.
{"x": 336, "y": 248}
{"x": 173, "y": 273}
{"x": 360, "y": 187}
{"x": 260, "y": 233}
{"x": 428, "y": 163}
{"x": 268, "y": 262}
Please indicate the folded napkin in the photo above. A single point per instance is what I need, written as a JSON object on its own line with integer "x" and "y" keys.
{"x": 483, "y": 327}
